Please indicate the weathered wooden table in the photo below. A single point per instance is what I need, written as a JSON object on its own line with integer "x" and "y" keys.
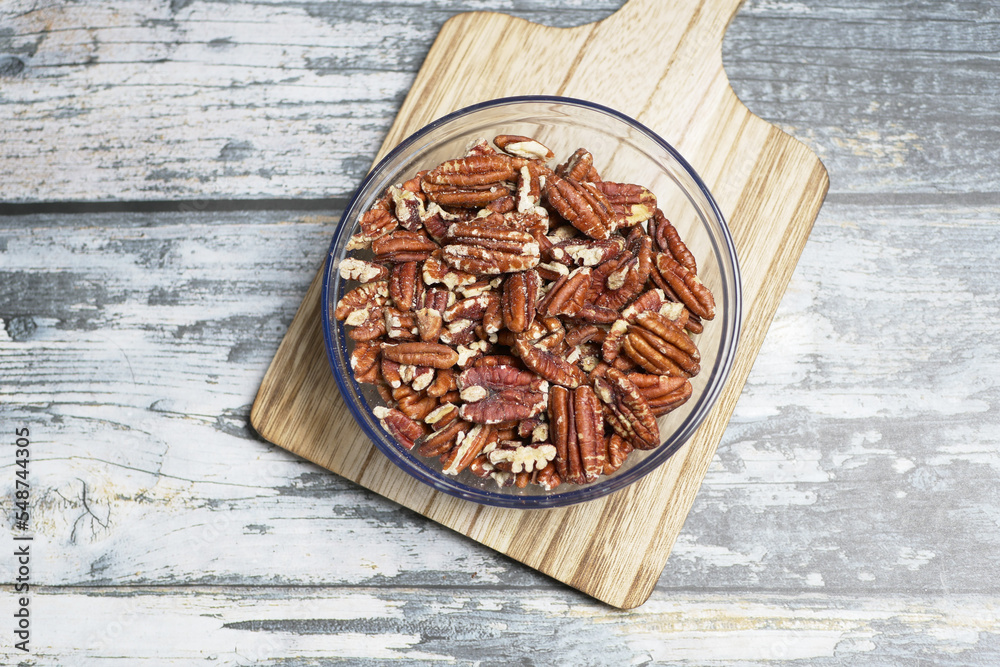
{"x": 170, "y": 176}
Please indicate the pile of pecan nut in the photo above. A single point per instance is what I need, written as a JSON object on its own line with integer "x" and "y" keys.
{"x": 524, "y": 323}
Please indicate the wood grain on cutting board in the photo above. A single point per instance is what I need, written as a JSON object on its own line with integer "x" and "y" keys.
{"x": 659, "y": 62}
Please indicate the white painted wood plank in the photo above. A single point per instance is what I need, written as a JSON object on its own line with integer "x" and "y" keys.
{"x": 261, "y": 99}
{"x": 297, "y": 626}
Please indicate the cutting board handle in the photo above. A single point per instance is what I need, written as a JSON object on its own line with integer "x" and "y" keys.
{"x": 708, "y": 19}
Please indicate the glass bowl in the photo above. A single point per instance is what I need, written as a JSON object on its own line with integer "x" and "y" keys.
{"x": 624, "y": 151}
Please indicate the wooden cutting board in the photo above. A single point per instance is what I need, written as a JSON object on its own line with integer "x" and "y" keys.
{"x": 659, "y": 61}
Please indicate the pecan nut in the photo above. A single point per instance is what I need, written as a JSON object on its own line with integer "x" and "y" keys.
{"x": 548, "y": 365}
{"x": 579, "y": 167}
{"x": 587, "y": 251}
{"x": 617, "y": 450}
{"x": 686, "y": 285}
{"x": 547, "y": 477}
{"x": 668, "y": 240}
{"x": 362, "y": 271}
{"x": 399, "y": 325}
{"x": 627, "y": 411}
{"x": 525, "y": 147}
{"x": 487, "y": 250}
{"x": 430, "y": 324}
{"x": 632, "y": 203}
{"x": 661, "y": 347}
{"x": 662, "y": 392}
{"x": 566, "y": 296}
{"x": 408, "y": 206}
{"x": 442, "y": 441}
{"x": 467, "y": 196}
{"x": 405, "y": 430}
{"x": 468, "y": 445}
{"x": 517, "y": 301}
{"x": 406, "y": 286}
{"x": 583, "y": 205}
{"x": 475, "y": 171}
{"x": 364, "y": 362}
{"x": 403, "y": 245}
{"x": 523, "y": 458}
{"x": 497, "y": 394}
{"x": 374, "y": 224}
{"x": 577, "y": 430}
{"x": 444, "y": 381}
{"x": 434, "y": 355}
{"x": 473, "y": 308}
{"x": 374, "y": 293}
{"x": 436, "y": 271}
{"x": 530, "y": 182}
{"x": 416, "y": 405}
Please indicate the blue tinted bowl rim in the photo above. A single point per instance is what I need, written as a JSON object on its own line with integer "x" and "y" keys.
{"x": 411, "y": 463}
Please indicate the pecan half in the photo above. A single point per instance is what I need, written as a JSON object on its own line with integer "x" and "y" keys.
{"x": 497, "y": 394}
{"x": 434, "y": 355}
{"x": 616, "y": 452}
{"x": 374, "y": 224}
{"x": 467, "y": 447}
{"x": 466, "y": 196}
{"x": 367, "y": 324}
{"x": 523, "y": 457}
{"x": 408, "y": 206}
{"x": 403, "y": 245}
{"x": 689, "y": 289}
{"x": 361, "y": 271}
{"x": 530, "y": 182}
{"x": 548, "y": 478}
{"x": 668, "y": 240}
{"x": 485, "y": 306}
{"x": 487, "y": 250}
{"x": 517, "y": 301}
{"x": 584, "y": 334}
{"x": 583, "y": 206}
{"x": 627, "y": 412}
{"x": 577, "y": 431}
{"x": 579, "y": 167}
{"x": 661, "y": 347}
{"x": 442, "y": 441}
{"x": 525, "y": 147}
{"x": 548, "y": 365}
{"x": 430, "y": 324}
{"x": 663, "y": 393}
{"x": 399, "y": 325}
{"x": 416, "y": 405}
{"x": 631, "y": 271}
{"x": 405, "y": 430}
{"x": 587, "y": 251}
{"x": 632, "y": 203}
{"x": 566, "y": 297}
{"x": 475, "y": 171}
{"x": 364, "y": 362}
{"x": 436, "y": 271}
{"x": 406, "y": 287}
{"x": 374, "y": 293}
{"x": 441, "y": 416}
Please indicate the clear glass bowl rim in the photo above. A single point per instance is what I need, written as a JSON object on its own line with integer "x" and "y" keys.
{"x": 412, "y": 465}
